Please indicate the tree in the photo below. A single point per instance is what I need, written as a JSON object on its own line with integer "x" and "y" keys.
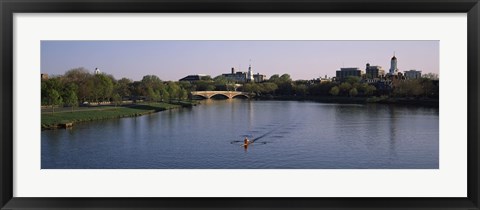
{"x": 152, "y": 95}
{"x": 274, "y": 78}
{"x": 122, "y": 87}
{"x": 301, "y": 90}
{"x": 268, "y": 87}
{"x": 103, "y": 87}
{"x": 71, "y": 99}
{"x": 251, "y": 88}
{"x": 204, "y": 85}
{"x": 206, "y": 78}
{"x": 334, "y": 91}
{"x": 183, "y": 94}
{"x": 345, "y": 87}
{"x": 117, "y": 99}
{"x": 151, "y": 81}
{"x": 86, "y": 88}
{"x": 353, "y": 79}
{"x": 164, "y": 95}
{"x": 370, "y": 90}
{"x": 54, "y": 98}
{"x": 76, "y": 75}
{"x": 408, "y": 88}
{"x": 431, "y": 76}
{"x": 173, "y": 90}
{"x": 353, "y": 92}
{"x": 321, "y": 89}
{"x": 285, "y": 78}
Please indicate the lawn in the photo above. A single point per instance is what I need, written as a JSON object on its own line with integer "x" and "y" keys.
{"x": 53, "y": 120}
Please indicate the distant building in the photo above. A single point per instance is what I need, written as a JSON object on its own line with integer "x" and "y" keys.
{"x": 193, "y": 78}
{"x": 393, "y": 65}
{"x": 343, "y": 73}
{"x": 413, "y": 74}
{"x": 250, "y": 74}
{"x": 319, "y": 80}
{"x": 97, "y": 71}
{"x": 374, "y": 71}
{"x": 44, "y": 76}
{"x": 241, "y": 77}
{"x": 259, "y": 77}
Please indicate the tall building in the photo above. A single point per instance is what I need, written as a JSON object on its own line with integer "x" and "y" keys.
{"x": 413, "y": 74}
{"x": 250, "y": 74}
{"x": 393, "y": 65}
{"x": 343, "y": 73}
{"x": 373, "y": 71}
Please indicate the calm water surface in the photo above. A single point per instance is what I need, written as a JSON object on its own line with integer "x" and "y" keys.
{"x": 286, "y": 134}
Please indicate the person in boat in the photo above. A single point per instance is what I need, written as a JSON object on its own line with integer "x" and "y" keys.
{"x": 246, "y": 141}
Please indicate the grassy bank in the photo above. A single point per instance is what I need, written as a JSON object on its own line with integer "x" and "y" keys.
{"x": 55, "y": 120}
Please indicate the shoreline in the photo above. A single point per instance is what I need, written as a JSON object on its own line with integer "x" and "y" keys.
{"x": 66, "y": 119}
{"x": 50, "y": 121}
{"x": 424, "y": 102}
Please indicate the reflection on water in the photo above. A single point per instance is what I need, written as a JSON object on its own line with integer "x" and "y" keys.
{"x": 283, "y": 134}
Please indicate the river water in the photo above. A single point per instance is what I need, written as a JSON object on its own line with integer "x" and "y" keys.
{"x": 286, "y": 135}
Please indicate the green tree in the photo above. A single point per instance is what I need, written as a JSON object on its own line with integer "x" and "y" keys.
{"x": 274, "y": 78}
{"x": 301, "y": 90}
{"x": 122, "y": 87}
{"x": 152, "y": 95}
{"x": 206, "y": 78}
{"x": 334, "y": 91}
{"x": 103, "y": 87}
{"x": 285, "y": 78}
{"x": 183, "y": 94}
{"x": 71, "y": 99}
{"x": 252, "y": 88}
{"x": 370, "y": 90}
{"x": 345, "y": 88}
{"x": 204, "y": 85}
{"x": 117, "y": 99}
{"x": 353, "y": 79}
{"x": 54, "y": 98}
{"x": 173, "y": 90}
{"x": 268, "y": 88}
{"x": 353, "y": 92}
{"x": 431, "y": 76}
{"x": 165, "y": 96}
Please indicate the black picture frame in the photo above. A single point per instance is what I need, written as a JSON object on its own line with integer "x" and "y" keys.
{"x": 9, "y": 7}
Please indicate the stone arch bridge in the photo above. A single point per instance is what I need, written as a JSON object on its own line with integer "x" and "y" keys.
{"x": 228, "y": 94}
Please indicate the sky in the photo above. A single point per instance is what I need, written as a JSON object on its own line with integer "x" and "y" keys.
{"x": 173, "y": 60}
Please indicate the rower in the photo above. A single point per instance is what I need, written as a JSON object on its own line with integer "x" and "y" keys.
{"x": 246, "y": 141}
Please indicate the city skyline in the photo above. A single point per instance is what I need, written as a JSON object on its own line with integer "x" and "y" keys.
{"x": 173, "y": 60}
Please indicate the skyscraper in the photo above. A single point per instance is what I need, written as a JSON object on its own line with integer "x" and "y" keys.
{"x": 250, "y": 74}
{"x": 393, "y": 65}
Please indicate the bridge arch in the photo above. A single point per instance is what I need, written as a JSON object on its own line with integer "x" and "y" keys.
{"x": 198, "y": 96}
{"x": 241, "y": 96}
{"x": 219, "y": 96}
{"x": 216, "y": 94}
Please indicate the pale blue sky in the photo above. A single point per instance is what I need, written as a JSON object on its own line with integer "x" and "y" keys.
{"x": 172, "y": 60}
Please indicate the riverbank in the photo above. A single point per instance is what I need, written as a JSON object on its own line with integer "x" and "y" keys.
{"x": 66, "y": 119}
{"x": 357, "y": 100}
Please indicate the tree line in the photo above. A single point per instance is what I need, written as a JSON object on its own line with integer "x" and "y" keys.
{"x": 78, "y": 85}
